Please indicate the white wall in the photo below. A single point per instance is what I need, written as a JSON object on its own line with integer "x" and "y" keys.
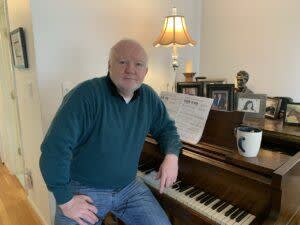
{"x": 29, "y": 107}
{"x": 73, "y": 38}
{"x": 261, "y": 37}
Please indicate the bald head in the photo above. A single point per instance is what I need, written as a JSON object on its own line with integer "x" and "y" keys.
{"x": 127, "y": 66}
{"x": 128, "y": 45}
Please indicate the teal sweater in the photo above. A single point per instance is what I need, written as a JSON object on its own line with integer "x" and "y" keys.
{"x": 96, "y": 138}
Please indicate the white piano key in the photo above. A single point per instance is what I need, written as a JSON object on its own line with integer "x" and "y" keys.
{"x": 227, "y": 220}
{"x": 220, "y": 216}
{"x": 192, "y": 203}
{"x": 243, "y": 220}
{"x": 208, "y": 211}
{"x": 249, "y": 220}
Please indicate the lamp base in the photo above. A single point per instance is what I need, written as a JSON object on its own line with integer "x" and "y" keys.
{"x": 189, "y": 76}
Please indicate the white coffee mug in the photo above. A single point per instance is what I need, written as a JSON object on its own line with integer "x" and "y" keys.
{"x": 248, "y": 140}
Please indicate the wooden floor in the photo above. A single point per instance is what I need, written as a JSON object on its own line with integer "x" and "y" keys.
{"x": 14, "y": 206}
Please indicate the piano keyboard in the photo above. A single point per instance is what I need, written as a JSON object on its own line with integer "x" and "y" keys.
{"x": 199, "y": 200}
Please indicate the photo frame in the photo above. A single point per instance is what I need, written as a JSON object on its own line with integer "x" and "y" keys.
{"x": 210, "y": 81}
{"x": 292, "y": 114}
{"x": 190, "y": 88}
{"x": 222, "y": 95}
{"x": 254, "y": 105}
{"x": 18, "y": 46}
{"x": 273, "y": 105}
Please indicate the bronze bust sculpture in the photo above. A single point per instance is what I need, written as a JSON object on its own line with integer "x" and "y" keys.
{"x": 242, "y": 78}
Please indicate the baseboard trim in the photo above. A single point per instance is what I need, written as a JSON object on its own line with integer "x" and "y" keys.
{"x": 37, "y": 211}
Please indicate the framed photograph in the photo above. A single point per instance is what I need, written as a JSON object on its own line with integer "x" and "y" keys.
{"x": 18, "y": 46}
{"x": 272, "y": 107}
{"x": 190, "y": 88}
{"x": 222, "y": 95}
{"x": 292, "y": 114}
{"x": 210, "y": 81}
{"x": 253, "y": 104}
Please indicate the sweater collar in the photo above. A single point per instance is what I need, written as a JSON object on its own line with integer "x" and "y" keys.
{"x": 114, "y": 91}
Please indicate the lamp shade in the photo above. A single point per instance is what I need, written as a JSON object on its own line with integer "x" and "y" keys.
{"x": 174, "y": 32}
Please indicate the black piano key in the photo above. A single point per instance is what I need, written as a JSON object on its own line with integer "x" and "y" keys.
{"x": 195, "y": 193}
{"x": 210, "y": 200}
{"x": 219, "y": 203}
{"x": 176, "y": 185}
{"x": 231, "y": 210}
{"x": 190, "y": 191}
{"x": 235, "y": 214}
{"x": 205, "y": 198}
{"x": 202, "y": 196}
{"x": 242, "y": 216}
{"x": 184, "y": 188}
{"x": 222, "y": 207}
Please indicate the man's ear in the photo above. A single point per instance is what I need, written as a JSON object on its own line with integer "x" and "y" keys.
{"x": 108, "y": 65}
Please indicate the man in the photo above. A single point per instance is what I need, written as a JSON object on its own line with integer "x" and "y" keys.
{"x": 242, "y": 78}
{"x": 91, "y": 151}
{"x": 221, "y": 101}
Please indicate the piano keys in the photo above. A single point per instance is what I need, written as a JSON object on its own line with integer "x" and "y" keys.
{"x": 199, "y": 200}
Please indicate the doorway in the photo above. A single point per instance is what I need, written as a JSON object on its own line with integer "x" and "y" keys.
{"x": 11, "y": 153}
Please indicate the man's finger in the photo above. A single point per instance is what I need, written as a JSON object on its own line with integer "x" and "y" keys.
{"x": 87, "y": 198}
{"x": 80, "y": 221}
{"x": 89, "y": 217}
{"x": 158, "y": 176}
{"x": 92, "y": 208}
{"x": 162, "y": 183}
{"x": 169, "y": 182}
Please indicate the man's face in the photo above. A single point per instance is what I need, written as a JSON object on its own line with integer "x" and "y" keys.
{"x": 128, "y": 66}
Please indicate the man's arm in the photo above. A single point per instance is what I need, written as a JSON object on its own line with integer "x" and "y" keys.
{"x": 163, "y": 129}
{"x": 67, "y": 130}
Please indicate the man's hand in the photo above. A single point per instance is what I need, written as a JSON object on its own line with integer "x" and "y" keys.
{"x": 168, "y": 171}
{"x": 79, "y": 208}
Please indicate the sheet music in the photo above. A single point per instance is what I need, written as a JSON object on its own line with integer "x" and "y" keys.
{"x": 189, "y": 112}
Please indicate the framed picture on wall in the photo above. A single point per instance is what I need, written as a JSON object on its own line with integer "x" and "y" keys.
{"x": 190, "y": 88}
{"x": 18, "y": 45}
{"x": 272, "y": 107}
{"x": 222, "y": 95}
{"x": 292, "y": 114}
{"x": 253, "y": 104}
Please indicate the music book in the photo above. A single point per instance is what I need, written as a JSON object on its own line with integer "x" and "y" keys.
{"x": 189, "y": 112}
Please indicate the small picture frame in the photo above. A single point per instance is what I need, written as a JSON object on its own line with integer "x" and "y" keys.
{"x": 190, "y": 88}
{"x": 18, "y": 45}
{"x": 273, "y": 105}
{"x": 210, "y": 81}
{"x": 254, "y": 105}
{"x": 292, "y": 114}
{"x": 222, "y": 95}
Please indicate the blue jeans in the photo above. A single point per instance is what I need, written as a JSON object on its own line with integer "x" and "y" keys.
{"x": 134, "y": 204}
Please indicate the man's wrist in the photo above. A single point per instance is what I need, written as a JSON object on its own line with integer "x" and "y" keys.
{"x": 171, "y": 156}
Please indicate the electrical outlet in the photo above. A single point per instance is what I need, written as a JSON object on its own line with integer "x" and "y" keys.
{"x": 19, "y": 151}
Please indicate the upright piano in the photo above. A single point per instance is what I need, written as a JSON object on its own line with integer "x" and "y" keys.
{"x": 216, "y": 185}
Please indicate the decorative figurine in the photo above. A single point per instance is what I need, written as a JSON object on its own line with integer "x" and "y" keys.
{"x": 242, "y": 78}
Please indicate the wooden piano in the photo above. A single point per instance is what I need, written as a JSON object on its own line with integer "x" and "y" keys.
{"x": 261, "y": 190}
